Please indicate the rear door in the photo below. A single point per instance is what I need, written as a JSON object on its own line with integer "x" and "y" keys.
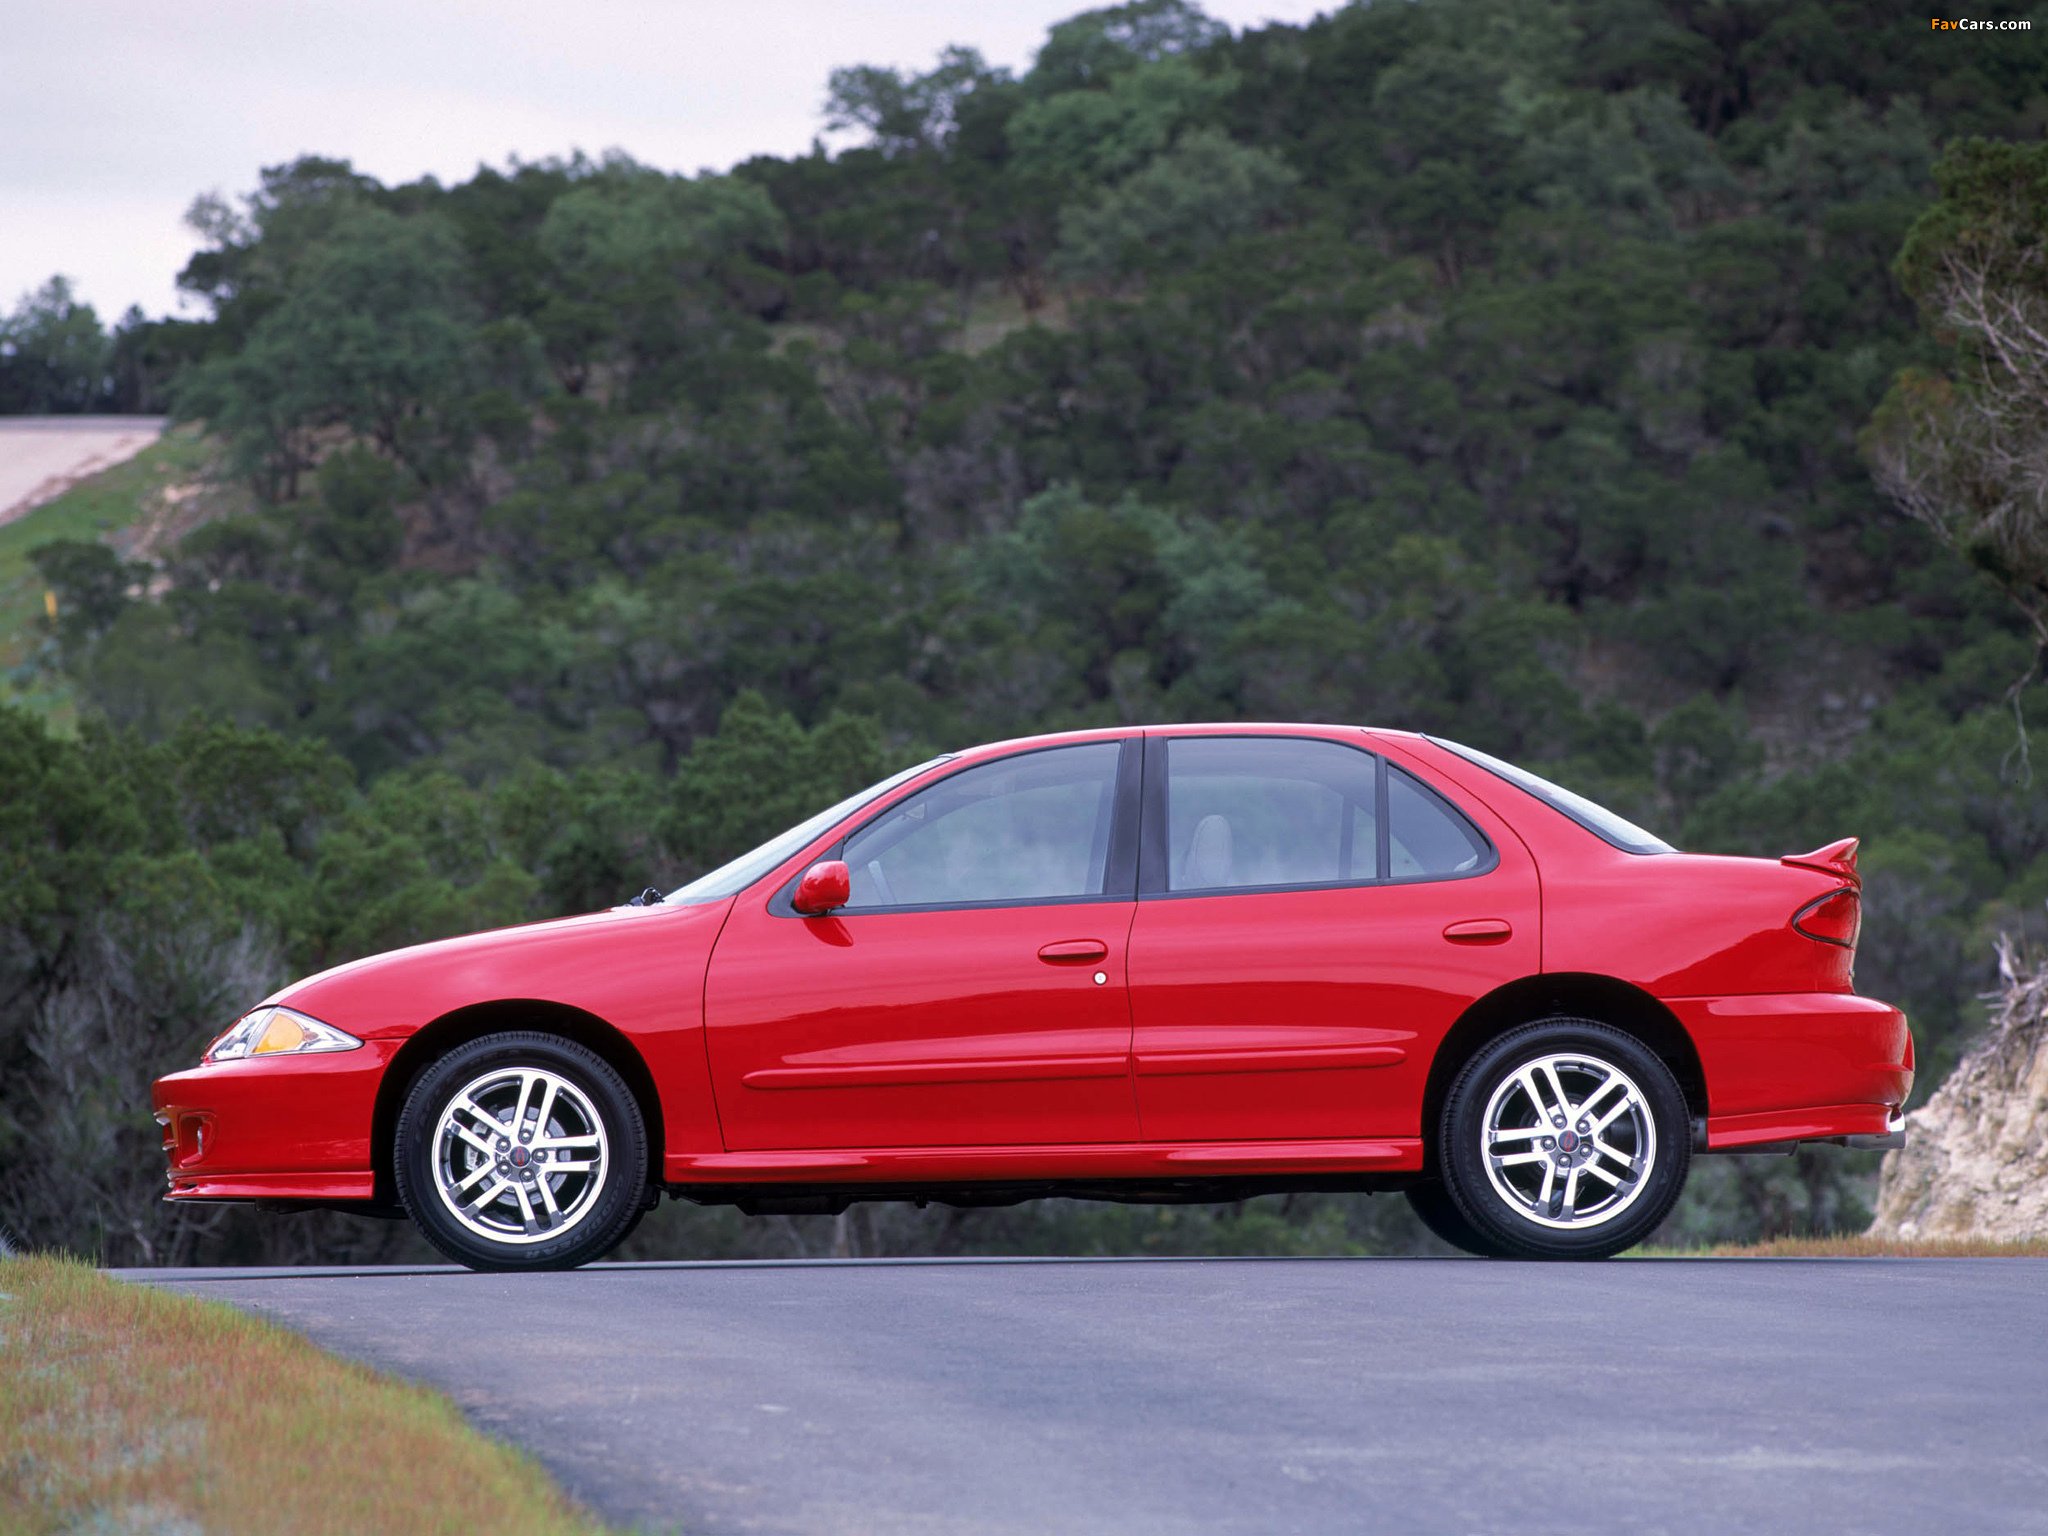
{"x": 1311, "y": 920}
{"x": 972, "y": 991}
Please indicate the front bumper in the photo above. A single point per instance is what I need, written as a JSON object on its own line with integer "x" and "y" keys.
{"x": 276, "y": 1128}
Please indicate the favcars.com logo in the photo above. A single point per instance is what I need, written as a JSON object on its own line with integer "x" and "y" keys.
{"x": 1967, "y": 25}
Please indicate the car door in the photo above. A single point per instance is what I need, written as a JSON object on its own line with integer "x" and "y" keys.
{"x": 971, "y": 992}
{"x": 1311, "y": 920}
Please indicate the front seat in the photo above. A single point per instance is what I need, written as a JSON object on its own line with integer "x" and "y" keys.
{"x": 1209, "y": 853}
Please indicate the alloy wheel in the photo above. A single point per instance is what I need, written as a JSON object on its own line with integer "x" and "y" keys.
{"x": 1569, "y": 1139}
{"x": 520, "y": 1155}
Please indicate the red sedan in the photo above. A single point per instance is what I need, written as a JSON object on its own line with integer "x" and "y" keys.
{"x": 1175, "y": 964}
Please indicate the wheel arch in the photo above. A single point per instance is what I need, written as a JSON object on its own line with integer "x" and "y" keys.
{"x": 435, "y": 1039}
{"x": 1566, "y": 994}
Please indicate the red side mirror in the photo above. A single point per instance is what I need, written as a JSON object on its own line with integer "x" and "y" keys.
{"x": 825, "y": 885}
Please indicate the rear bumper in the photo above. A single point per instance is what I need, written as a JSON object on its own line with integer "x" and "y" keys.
{"x": 1891, "y": 1139}
{"x": 1785, "y": 1130}
{"x": 1800, "y": 1066}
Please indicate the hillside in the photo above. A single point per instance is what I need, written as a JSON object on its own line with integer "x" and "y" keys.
{"x": 1482, "y": 367}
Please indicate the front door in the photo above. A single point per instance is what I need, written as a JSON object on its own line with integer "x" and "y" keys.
{"x": 1311, "y": 921}
{"x": 972, "y": 992}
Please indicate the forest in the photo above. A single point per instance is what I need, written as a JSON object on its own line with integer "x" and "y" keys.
{"x": 1537, "y": 374}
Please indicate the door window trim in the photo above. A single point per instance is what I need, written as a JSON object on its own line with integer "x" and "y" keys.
{"x": 1120, "y": 859}
{"x": 1155, "y": 857}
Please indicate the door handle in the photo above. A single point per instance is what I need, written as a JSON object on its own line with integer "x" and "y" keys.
{"x": 1480, "y": 930}
{"x": 1073, "y": 951}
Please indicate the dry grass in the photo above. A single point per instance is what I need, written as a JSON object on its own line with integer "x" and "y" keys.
{"x": 129, "y": 1409}
{"x": 1856, "y": 1248}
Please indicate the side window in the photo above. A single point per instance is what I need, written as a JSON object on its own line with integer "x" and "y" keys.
{"x": 1034, "y": 825}
{"x": 1248, "y": 811}
{"x": 1426, "y": 836}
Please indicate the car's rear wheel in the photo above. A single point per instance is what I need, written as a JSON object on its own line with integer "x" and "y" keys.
{"x": 1433, "y": 1204}
{"x": 522, "y": 1151}
{"x": 1564, "y": 1139}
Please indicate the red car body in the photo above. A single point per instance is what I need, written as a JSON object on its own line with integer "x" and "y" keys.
{"x": 1125, "y": 1047}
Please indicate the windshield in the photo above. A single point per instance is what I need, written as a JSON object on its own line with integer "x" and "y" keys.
{"x": 743, "y": 871}
{"x": 1597, "y": 819}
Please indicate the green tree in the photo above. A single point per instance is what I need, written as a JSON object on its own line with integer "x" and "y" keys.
{"x": 53, "y": 354}
{"x": 904, "y": 113}
{"x": 1184, "y": 205}
{"x": 1966, "y": 453}
{"x": 372, "y": 335}
{"x": 762, "y": 773}
{"x": 1096, "y": 135}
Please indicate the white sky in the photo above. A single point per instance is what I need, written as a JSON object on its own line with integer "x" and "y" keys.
{"x": 115, "y": 114}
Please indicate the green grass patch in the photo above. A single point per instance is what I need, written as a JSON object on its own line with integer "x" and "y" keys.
{"x": 123, "y": 1407}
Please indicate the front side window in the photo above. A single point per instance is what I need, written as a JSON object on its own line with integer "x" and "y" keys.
{"x": 1249, "y": 811}
{"x": 749, "y": 867}
{"x": 1031, "y": 827}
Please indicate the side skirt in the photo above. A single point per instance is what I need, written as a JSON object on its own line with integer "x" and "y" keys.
{"x": 831, "y": 1199}
{"x": 1147, "y": 1171}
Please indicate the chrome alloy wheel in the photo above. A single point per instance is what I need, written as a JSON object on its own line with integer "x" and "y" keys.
{"x": 520, "y": 1155}
{"x": 1569, "y": 1141}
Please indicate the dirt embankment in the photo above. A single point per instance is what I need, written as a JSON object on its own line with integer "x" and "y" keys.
{"x": 1975, "y": 1165}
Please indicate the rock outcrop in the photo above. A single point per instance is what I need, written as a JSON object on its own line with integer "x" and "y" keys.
{"x": 1975, "y": 1165}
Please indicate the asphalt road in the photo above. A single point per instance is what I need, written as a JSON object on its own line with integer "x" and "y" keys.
{"x": 1268, "y": 1396}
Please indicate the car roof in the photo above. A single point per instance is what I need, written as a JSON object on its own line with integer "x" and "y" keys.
{"x": 1174, "y": 728}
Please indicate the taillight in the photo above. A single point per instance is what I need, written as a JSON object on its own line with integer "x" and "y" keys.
{"x": 1835, "y": 918}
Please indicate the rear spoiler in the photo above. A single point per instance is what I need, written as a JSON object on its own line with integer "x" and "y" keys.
{"x": 1835, "y": 859}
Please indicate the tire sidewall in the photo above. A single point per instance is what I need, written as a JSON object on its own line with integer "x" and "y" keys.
{"x": 619, "y": 1201}
{"x": 1434, "y": 1208}
{"x": 1461, "y": 1132}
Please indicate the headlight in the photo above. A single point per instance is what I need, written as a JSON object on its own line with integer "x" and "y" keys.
{"x": 278, "y": 1032}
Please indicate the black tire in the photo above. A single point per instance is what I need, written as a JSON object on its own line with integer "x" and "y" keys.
{"x": 1527, "y": 1202}
{"x": 1432, "y": 1203}
{"x": 596, "y": 1185}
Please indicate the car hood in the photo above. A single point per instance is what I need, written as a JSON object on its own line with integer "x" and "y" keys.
{"x": 607, "y": 963}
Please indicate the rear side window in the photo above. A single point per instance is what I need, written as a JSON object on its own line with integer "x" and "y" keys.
{"x": 1427, "y": 838}
{"x": 1247, "y": 811}
{"x": 1596, "y": 819}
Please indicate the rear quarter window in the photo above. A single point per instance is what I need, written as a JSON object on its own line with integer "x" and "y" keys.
{"x": 1427, "y": 837}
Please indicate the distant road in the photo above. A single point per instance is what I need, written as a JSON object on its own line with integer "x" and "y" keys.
{"x": 1240, "y": 1396}
{"x": 41, "y": 457}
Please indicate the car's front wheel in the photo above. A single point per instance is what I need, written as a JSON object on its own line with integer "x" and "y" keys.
{"x": 1564, "y": 1139}
{"x": 521, "y": 1151}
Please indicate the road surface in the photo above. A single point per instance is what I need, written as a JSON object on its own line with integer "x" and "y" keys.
{"x": 41, "y": 457}
{"x": 1252, "y": 1396}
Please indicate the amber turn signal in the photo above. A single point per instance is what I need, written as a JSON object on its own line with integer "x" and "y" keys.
{"x": 275, "y": 1031}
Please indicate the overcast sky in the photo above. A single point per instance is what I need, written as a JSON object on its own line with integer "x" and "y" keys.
{"x": 116, "y": 113}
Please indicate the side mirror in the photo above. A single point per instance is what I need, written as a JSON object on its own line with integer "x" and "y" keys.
{"x": 825, "y": 885}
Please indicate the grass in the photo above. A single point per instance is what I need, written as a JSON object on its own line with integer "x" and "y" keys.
{"x": 126, "y": 1408}
{"x": 1857, "y": 1248}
